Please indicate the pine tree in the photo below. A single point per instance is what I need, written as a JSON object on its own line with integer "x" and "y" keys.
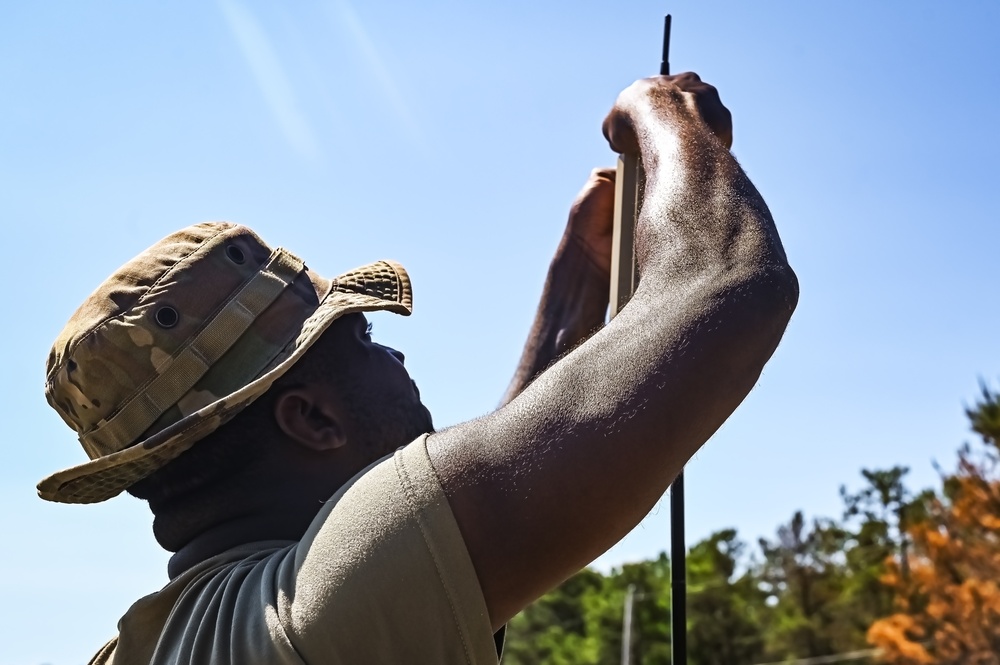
{"x": 803, "y": 576}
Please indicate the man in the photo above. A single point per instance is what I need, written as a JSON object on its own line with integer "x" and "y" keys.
{"x": 241, "y": 395}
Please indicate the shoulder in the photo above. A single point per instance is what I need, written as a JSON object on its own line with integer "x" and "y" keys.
{"x": 106, "y": 656}
{"x": 385, "y": 559}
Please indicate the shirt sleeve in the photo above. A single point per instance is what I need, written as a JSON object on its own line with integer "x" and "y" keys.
{"x": 383, "y": 575}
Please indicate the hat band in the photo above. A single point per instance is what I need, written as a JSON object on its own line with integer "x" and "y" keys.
{"x": 180, "y": 373}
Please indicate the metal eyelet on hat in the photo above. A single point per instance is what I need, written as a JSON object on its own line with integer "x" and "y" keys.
{"x": 235, "y": 254}
{"x": 166, "y": 317}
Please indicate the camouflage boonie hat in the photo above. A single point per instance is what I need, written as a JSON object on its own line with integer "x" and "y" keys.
{"x": 182, "y": 338}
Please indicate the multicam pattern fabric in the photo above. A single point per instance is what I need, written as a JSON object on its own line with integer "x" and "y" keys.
{"x": 172, "y": 345}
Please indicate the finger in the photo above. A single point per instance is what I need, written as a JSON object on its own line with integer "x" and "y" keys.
{"x": 685, "y": 80}
{"x": 599, "y": 185}
{"x": 619, "y": 134}
{"x": 727, "y": 136}
{"x": 604, "y": 173}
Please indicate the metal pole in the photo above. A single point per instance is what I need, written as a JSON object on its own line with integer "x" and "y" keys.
{"x": 627, "y": 626}
{"x": 678, "y": 574}
{"x": 678, "y": 548}
{"x": 629, "y": 187}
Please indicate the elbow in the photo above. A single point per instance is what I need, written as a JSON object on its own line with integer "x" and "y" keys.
{"x": 764, "y": 302}
{"x": 779, "y": 286}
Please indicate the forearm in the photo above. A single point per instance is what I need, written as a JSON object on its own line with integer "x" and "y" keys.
{"x": 564, "y": 471}
{"x": 592, "y": 444}
{"x": 715, "y": 294}
{"x": 573, "y": 305}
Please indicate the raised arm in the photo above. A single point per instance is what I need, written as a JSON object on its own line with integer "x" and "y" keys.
{"x": 547, "y": 483}
{"x": 574, "y": 299}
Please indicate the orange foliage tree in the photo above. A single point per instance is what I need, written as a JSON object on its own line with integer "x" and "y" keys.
{"x": 947, "y": 590}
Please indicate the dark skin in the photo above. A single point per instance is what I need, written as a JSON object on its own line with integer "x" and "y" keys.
{"x": 575, "y": 297}
{"x": 322, "y": 442}
{"x": 584, "y": 445}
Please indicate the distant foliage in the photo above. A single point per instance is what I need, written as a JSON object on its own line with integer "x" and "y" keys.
{"x": 812, "y": 591}
{"x": 948, "y": 605}
{"x": 901, "y": 577}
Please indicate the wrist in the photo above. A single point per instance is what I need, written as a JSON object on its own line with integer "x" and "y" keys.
{"x": 573, "y": 305}
{"x": 576, "y": 256}
{"x": 576, "y": 294}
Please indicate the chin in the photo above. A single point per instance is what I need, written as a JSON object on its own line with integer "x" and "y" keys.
{"x": 390, "y": 424}
{"x": 429, "y": 420}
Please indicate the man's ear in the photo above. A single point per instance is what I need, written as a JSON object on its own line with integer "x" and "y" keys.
{"x": 306, "y": 417}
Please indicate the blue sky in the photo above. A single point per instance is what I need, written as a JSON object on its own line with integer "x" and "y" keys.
{"x": 452, "y": 137}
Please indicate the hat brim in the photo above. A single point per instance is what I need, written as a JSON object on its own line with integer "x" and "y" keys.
{"x": 380, "y": 286}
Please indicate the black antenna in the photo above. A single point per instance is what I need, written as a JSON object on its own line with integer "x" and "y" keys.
{"x": 678, "y": 574}
{"x": 678, "y": 549}
{"x": 628, "y": 197}
{"x": 665, "y": 63}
